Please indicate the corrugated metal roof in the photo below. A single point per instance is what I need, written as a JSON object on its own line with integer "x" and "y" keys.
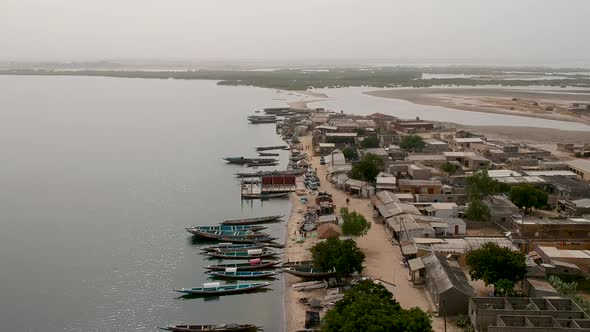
{"x": 416, "y": 264}
{"x": 446, "y": 275}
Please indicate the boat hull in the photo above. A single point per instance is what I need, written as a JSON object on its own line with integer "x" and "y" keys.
{"x": 252, "y": 221}
{"x": 243, "y": 266}
{"x": 235, "y": 289}
{"x": 238, "y": 275}
{"x": 212, "y": 328}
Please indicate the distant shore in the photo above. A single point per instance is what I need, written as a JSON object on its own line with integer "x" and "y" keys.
{"x": 508, "y": 101}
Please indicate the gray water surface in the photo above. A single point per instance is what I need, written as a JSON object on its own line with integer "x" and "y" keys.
{"x": 99, "y": 177}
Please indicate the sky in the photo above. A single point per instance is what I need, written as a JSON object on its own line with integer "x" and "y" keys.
{"x": 379, "y": 31}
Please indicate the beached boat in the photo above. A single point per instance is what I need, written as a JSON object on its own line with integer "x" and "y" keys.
{"x": 253, "y": 264}
{"x": 308, "y": 272}
{"x": 237, "y": 239}
{"x": 262, "y": 118}
{"x": 212, "y": 328}
{"x": 264, "y": 195}
{"x": 230, "y": 228}
{"x": 225, "y": 234}
{"x": 232, "y": 273}
{"x": 234, "y": 246}
{"x": 243, "y": 160}
{"x": 268, "y": 173}
{"x": 215, "y": 288}
{"x": 252, "y": 221}
{"x": 274, "y": 147}
{"x": 297, "y": 263}
{"x": 259, "y": 164}
{"x": 244, "y": 254}
{"x": 268, "y": 154}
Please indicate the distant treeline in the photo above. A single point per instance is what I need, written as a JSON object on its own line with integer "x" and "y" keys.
{"x": 298, "y": 79}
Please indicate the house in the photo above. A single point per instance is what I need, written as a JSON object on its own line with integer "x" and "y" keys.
{"x": 447, "y": 284}
{"x": 420, "y": 186}
{"x": 427, "y": 159}
{"x": 575, "y": 207}
{"x": 419, "y": 172}
{"x": 386, "y": 183}
{"x": 413, "y": 126}
{"x": 502, "y": 210}
{"x": 581, "y": 167}
{"x": 360, "y": 188}
{"x": 335, "y": 157}
{"x": 404, "y": 227}
{"x": 536, "y": 287}
{"x": 581, "y": 258}
{"x": 526, "y": 314}
{"x": 563, "y": 229}
{"x": 379, "y": 152}
{"x": 434, "y": 145}
{"x": 443, "y": 210}
{"x": 565, "y": 187}
{"x": 340, "y": 138}
{"x": 387, "y": 139}
{"x": 326, "y": 148}
{"x": 469, "y": 160}
{"x": 329, "y": 230}
{"x": 463, "y": 144}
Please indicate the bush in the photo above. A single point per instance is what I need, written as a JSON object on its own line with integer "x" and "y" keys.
{"x": 342, "y": 256}
{"x": 354, "y": 223}
{"x": 412, "y": 143}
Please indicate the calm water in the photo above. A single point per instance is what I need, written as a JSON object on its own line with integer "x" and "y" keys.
{"x": 99, "y": 177}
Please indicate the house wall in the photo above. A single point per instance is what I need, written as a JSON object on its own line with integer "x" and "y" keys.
{"x": 460, "y": 199}
{"x": 455, "y": 302}
{"x": 420, "y": 189}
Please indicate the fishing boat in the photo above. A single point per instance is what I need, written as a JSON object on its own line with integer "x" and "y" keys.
{"x": 212, "y": 328}
{"x": 308, "y": 272}
{"x": 264, "y": 195}
{"x": 253, "y": 264}
{"x": 215, "y": 288}
{"x": 297, "y": 263}
{"x": 262, "y": 118}
{"x": 261, "y": 239}
{"x": 274, "y": 147}
{"x": 233, "y": 273}
{"x": 268, "y": 173}
{"x": 260, "y": 164}
{"x": 226, "y": 234}
{"x": 252, "y": 221}
{"x": 244, "y": 254}
{"x": 243, "y": 160}
{"x": 268, "y": 154}
{"x": 234, "y": 246}
{"x": 231, "y": 228}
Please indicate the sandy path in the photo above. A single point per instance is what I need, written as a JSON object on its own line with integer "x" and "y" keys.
{"x": 383, "y": 259}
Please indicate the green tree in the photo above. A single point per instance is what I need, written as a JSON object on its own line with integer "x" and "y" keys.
{"x": 367, "y": 169}
{"x": 370, "y": 307}
{"x": 477, "y": 211}
{"x": 370, "y": 142}
{"x": 449, "y": 168}
{"x": 354, "y": 223}
{"x": 360, "y": 131}
{"x": 526, "y": 196}
{"x": 480, "y": 185}
{"x": 342, "y": 256}
{"x": 492, "y": 263}
{"x": 350, "y": 153}
{"x": 504, "y": 287}
{"x": 412, "y": 143}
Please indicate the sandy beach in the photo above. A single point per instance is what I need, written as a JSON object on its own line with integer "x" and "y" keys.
{"x": 383, "y": 258}
{"x": 545, "y": 104}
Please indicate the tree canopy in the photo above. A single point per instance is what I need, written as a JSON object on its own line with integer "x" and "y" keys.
{"x": 370, "y": 142}
{"x": 342, "y": 256}
{"x": 354, "y": 223}
{"x": 370, "y": 307}
{"x": 480, "y": 185}
{"x": 449, "y": 168}
{"x": 492, "y": 263}
{"x": 478, "y": 211}
{"x": 526, "y": 196}
{"x": 367, "y": 169}
{"x": 350, "y": 153}
{"x": 412, "y": 143}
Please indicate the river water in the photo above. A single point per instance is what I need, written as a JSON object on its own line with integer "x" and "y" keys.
{"x": 99, "y": 177}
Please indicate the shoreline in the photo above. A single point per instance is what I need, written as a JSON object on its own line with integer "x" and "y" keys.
{"x": 487, "y": 100}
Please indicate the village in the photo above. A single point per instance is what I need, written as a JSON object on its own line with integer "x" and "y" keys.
{"x": 413, "y": 181}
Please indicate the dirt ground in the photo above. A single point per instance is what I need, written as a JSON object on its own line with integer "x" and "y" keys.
{"x": 383, "y": 259}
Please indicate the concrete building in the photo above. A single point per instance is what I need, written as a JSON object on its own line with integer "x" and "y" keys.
{"x": 420, "y": 186}
{"x": 434, "y": 145}
{"x": 447, "y": 284}
{"x": 577, "y": 207}
{"x": 386, "y": 183}
{"x": 581, "y": 167}
{"x": 463, "y": 144}
{"x": 535, "y": 287}
{"x": 526, "y": 314}
{"x": 549, "y": 255}
{"x": 418, "y": 172}
{"x": 563, "y": 229}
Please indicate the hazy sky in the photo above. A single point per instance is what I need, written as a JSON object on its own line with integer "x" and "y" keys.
{"x": 518, "y": 31}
